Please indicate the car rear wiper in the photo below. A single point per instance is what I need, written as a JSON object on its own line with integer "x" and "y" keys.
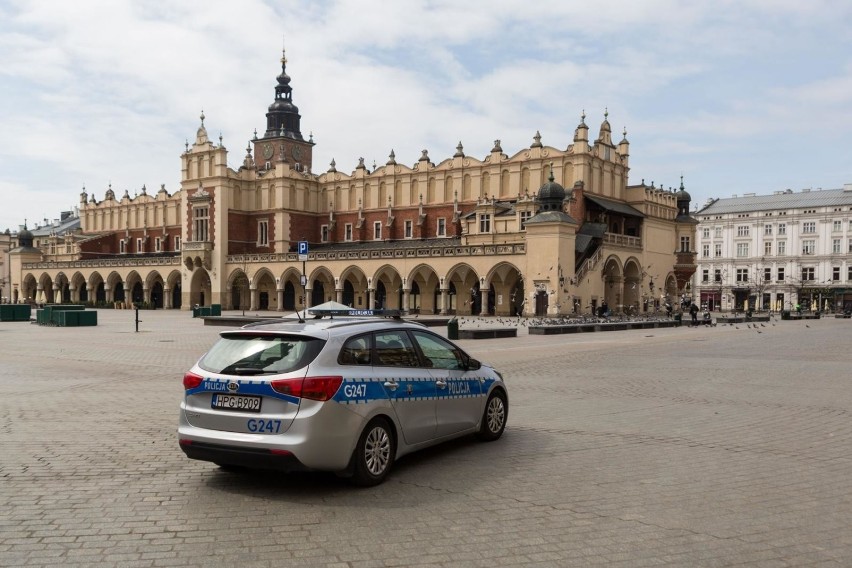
{"x": 246, "y": 371}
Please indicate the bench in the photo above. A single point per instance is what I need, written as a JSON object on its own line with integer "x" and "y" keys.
{"x": 488, "y": 333}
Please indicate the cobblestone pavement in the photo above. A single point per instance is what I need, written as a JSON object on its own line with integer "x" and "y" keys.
{"x": 725, "y": 446}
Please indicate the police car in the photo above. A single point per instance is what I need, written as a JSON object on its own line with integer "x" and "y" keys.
{"x": 342, "y": 393}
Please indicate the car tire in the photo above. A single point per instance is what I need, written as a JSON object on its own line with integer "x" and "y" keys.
{"x": 494, "y": 417}
{"x": 374, "y": 453}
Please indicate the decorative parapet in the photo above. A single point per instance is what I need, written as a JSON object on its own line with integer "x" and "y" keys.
{"x": 113, "y": 262}
{"x": 622, "y": 241}
{"x": 385, "y": 253}
{"x": 198, "y": 245}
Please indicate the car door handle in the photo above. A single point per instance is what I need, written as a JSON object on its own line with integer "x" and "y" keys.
{"x": 391, "y": 385}
{"x": 441, "y": 384}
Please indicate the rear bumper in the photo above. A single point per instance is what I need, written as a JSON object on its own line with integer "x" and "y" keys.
{"x": 257, "y": 458}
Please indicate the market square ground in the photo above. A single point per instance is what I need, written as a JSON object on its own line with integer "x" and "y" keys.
{"x": 711, "y": 446}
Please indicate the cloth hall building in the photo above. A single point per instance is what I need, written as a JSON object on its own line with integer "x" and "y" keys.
{"x": 542, "y": 231}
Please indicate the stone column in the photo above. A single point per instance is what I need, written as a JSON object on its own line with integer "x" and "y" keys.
{"x": 372, "y": 303}
{"x": 109, "y": 297}
{"x": 90, "y": 294}
{"x": 167, "y": 298}
{"x": 146, "y": 294}
{"x": 445, "y": 300}
{"x": 254, "y": 297}
{"x": 339, "y": 292}
{"x": 406, "y": 293}
{"x": 128, "y": 301}
{"x": 308, "y": 296}
{"x": 57, "y": 295}
{"x": 280, "y": 295}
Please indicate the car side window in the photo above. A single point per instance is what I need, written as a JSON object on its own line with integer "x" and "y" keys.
{"x": 438, "y": 354}
{"x": 394, "y": 349}
{"x": 356, "y": 351}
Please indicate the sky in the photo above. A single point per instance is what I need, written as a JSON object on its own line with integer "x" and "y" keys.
{"x": 736, "y": 96}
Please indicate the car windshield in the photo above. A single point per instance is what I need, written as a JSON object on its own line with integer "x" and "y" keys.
{"x": 260, "y": 354}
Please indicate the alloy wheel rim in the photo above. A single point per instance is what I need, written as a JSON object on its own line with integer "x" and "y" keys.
{"x": 496, "y": 414}
{"x": 377, "y": 451}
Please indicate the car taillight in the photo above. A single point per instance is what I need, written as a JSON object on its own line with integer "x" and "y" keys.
{"x": 191, "y": 381}
{"x": 313, "y": 388}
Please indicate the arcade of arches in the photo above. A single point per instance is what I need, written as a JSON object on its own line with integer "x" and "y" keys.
{"x": 462, "y": 289}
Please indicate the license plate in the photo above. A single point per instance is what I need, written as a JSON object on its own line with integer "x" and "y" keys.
{"x": 236, "y": 402}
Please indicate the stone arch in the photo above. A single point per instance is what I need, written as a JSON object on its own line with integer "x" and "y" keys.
{"x": 62, "y": 293}
{"x": 97, "y": 287}
{"x": 200, "y": 290}
{"x": 44, "y": 289}
{"x": 463, "y": 281}
{"x": 79, "y": 288}
{"x": 632, "y": 287}
{"x": 290, "y": 290}
{"x": 320, "y": 286}
{"x": 428, "y": 299}
{"x": 29, "y": 289}
{"x": 352, "y": 287}
{"x": 136, "y": 289}
{"x": 115, "y": 287}
{"x": 612, "y": 274}
{"x": 505, "y": 290}
{"x": 237, "y": 295}
{"x": 155, "y": 290}
{"x": 263, "y": 290}
{"x": 387, "y": 283}
{"x": 172, "y": 291}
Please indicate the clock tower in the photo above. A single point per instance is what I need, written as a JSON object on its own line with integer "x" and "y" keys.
{"x": 283, "y": 141}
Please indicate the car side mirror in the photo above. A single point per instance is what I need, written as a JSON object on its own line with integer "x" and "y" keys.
{"x": 473, "y": 364}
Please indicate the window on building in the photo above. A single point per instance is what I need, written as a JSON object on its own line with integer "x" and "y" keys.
{"x": 717, "y": 252}
{"x": 742, "y": 275}
{"x": 808, "y": 247}
{"x": 347, "y": 232}
{"x": 409, "y": 229}
{"x": 780, "y": 274}
{"x": 742, "y": 250}
{"x": 835, "y": 273}
{"x": 742, "y": 230}
{"x": 122, "y": 246}
{"x": 200, "y": 220}
{"x": 705, "y": 233}
{"x": 837, "y": 226}
{"x": 177, "y": 243}
{"x": 767, "y": 230}
{"x": 809, "y": 227}
{"x": 484, "y": 223}
{"x": 684, "y": 244}
{"x": 849, "y": 246}
{"x": 718, "y": 232}
{"x": 782, "y": 228}
{"x": 158, "y": 245}
{"x": 525, "y": 215}
{"x": 767, "y": 274}
{"x": 782, "y": 248}
{"x": 807, "y": 274}
{"x": 849, "y": 274}
{"x": 139, "y": 248}
{"x": 836, "y": 246}
{"x": 717, "y": 276}
{"x": 377, "y": 230}
{"x": 441, "y": 229}
{"x": 263, "y": 233}
{"x": 705, "y": 251}
{"x": 324, "y": 233}
{"x": 705, "y": 276}
{"x": 767, "y": 248}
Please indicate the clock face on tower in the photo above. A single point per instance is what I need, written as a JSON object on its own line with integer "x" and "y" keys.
{"x": 297, "y": 152}
{"x": 268, "y": 150}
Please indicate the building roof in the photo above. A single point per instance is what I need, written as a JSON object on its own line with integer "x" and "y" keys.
{"x": 614, "y": 206}
{"x": 780, "y": 200}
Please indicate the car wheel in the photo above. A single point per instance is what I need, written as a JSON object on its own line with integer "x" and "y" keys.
{"x": 494, "y": 417}
{"x": 374, "y": 453}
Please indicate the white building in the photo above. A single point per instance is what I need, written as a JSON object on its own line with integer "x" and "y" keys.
{"x": 776, "y": 251}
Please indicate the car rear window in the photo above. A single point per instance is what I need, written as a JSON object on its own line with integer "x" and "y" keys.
{"x": 260, "y": 354}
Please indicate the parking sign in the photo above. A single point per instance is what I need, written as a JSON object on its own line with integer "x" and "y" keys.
{"x": 303, "y": 251}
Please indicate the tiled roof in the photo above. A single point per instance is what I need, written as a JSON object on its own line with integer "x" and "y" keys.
{"x": 779, "y": 201}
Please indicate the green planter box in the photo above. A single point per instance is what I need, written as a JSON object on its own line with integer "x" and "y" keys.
{"x": 66, "y": 318}
{"x": 15, "y": 312}
{"x": 216, "y": 310}
{"x": 87, "y": 318}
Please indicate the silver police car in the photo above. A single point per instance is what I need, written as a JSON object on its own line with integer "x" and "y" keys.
{"x": 349, "y": 395}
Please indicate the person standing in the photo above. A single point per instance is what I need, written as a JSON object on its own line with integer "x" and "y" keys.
{"x": 693, "y": 311}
